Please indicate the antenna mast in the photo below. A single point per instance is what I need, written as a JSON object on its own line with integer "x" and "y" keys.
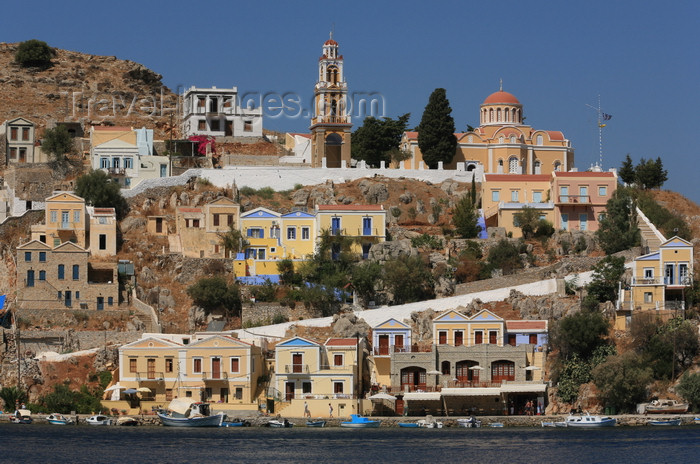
{"x": 601, "y": 117}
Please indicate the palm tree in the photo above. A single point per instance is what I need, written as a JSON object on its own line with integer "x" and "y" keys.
{"x": 233, "y": 241}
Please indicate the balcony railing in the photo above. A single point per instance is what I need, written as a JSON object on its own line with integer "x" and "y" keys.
{"x": 214, "y": 375}
{"x": 647, "y": 281}
{"x": 150, "y": 375}
{"x": 296, "y": 369}
{"x": 387, "y": 350}
{"x": 581, "y": 199}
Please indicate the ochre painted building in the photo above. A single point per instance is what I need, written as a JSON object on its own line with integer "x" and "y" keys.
{"x": 502, "y": 143}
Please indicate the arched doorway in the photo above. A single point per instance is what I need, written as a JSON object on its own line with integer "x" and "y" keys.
{"x": 502, "y": 370}
{"x": 466, "y": 373}
{"x": 413, "y": 378}
{"x": 334, "y": 143}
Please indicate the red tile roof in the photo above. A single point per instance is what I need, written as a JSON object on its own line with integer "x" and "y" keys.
{"x": 341, "y": 342}
{"x": 584, "y": 174}
{"x": 350, "y": 207}
{"x": 526, "y": 325}
{"x": 501, "y": 97}
{"x": 516, "y": 177}
{"x": 555, "y": 135}
{"x": 104, "y": 210}
{"x": 411, "y": 135}
{"x": 189, "y": 210}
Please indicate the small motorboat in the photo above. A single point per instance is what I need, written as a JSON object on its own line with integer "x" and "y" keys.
{"x": 409, "y": 425}
{"x": 99, "y": 419}
{"x": 126, "y": 421}
{"x": 672, "y": 422}
{"x": 666, "y": 407}
{"x": 472, "y": 422}
{"x": 236, "y": 423}
{"x": 359, "y": 422}
{"x": 21, "y": 416}
{"x": 183, "y": 412}
{"x": 280, "y": 423}
{"x": 496, "y": 424}
{"x": 554, "y": 424}
{"x": 316, "y": 423}
{"x": 58, "y": 419}
{"x": 588, "y": 421}
{"x": 429, "y": 424}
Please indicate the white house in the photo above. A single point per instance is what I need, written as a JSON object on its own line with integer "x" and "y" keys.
{"x": 218, "y": 113}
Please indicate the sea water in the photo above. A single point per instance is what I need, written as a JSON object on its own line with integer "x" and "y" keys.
{"x": 85, "y": 444}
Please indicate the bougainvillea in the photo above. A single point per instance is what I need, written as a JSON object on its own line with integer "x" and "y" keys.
{"x": 203, "y": 141}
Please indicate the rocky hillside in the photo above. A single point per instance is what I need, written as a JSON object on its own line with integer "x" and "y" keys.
{"x": 84, "y": 88}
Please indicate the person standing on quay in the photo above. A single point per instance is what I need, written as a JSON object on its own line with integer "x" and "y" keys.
{"x": 330, "y": 410}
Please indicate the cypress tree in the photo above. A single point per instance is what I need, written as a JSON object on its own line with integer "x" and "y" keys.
{"x": 627, "y": 173}
{"x": 436, "y": 138}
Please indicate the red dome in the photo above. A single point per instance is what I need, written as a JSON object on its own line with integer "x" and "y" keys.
{"x": 501, "y": 97}
{"x": 330, "y": 42}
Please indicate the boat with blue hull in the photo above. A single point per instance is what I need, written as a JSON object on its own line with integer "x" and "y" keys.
{"x": 667, "y": 422}
{"x": 360, "y": 422}
{"x": 58, "y": 419}
{"x": 588, "y": 421}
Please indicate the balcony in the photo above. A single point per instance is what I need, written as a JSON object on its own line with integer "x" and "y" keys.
{"x": 574, "y": 199}
{"x": 387, "y": 350}
{"x": 152, "y": 376}
{"x": 116, "y": 171}
{"x": 214, "y": 376}
{"x": 647, "y": 281}
{"x": 296, "y": 369}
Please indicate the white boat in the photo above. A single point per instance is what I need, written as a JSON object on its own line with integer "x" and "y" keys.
{"x": 666, "y": 407}
{"x": 21, "y": 416}
{"x": 183, "y": 412}
{"x": 99, "y": 419}
{"x": 554, "y": 424}
{"x": 279, "y": 423}
{"x": 429, "y": 423}
{"x": 588, "y": 421}
{"x": 59, "y": 419}
{"x": 472, "y": 422}
{"x": 359, "y": 422}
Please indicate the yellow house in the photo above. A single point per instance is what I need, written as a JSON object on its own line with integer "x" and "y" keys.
{"x": 65, "y": 221}
{"x": 298, "y": 234}
{"x": 103, "y": 231}
{"x": 366, "y": 224}
{"x": 317, "y": 377}
{"x": 388, "y": 337}
{"x": 502, "y": 143}
{"x": 658, "y": 282}
{"x": 504, "y": 195}
{"x": 206, "y": 367}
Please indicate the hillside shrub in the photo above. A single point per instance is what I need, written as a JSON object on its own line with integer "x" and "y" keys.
{"x": 34, "y": 53}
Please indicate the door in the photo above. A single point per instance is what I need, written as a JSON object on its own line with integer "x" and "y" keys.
{"x": 565, "y": 222}
{"x": 216, "y": 368}
{"x": 151, "y": 368}
{"x": 502, "y": 370}
{"x": 289, "y": 391}
{"x": 564, "y": 194}
{"x": 478, "y": 338}
{"x": 100, "y": 303}
{"x": 335, "y": 226}
{"x": 30, "y": 278}
{"x": 159, "y": 225}
{"x": 492, "y": 337}
{"x": 228, "y": 131}
{"x": 366, "y": 226}
{"x": 459, "y": 338}
{"x": 442, "y": 337}
{"x": 383, "y": 345}
{"x": 398, "y": 343}
{"x": 68, "y": 298}
{"x": 399, "y": 407}
{"x": 669, "y": 274}
{"x": 297, "y": 363}
{"x": 583, "y": 221}
{"x": 163, "y": 170}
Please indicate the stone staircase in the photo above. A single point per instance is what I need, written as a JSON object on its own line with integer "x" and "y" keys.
{"x": 651, "y": 237}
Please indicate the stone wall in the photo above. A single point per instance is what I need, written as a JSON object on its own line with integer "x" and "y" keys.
{"x": 262, "y": 313}
{"x": 62, "y": 341}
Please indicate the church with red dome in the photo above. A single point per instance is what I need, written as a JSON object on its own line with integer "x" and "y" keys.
{"x": 502, "y": 143}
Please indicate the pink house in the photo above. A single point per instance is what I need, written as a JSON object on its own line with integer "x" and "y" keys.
{"x": 580, "y": 198}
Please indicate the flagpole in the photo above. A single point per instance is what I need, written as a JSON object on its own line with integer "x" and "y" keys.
{"x": 600, "y": 117}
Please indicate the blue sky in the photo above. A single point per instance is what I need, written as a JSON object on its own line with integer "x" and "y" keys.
{"x": 641, "y": 57}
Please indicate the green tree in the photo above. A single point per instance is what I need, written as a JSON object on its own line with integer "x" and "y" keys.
{"x": 528, "y": 219}
{"x": 288, "y": 275}
{"x": 465, "y": 218}
{"x": 689, "y": 389}
{"x": 436, "y": 138}
{"x": 232, "y": 240}
{"x": 606, "y": 277}
{"x": 64, "y": 400}
{"x": 622, "y": 380}
{"x": 626, "y": 172}
{"x": 99, "y": 190}
{"x": 378, "y": 139}
{"x": 213, "y": 293}
{"x": 367, "y": 280}
{"x": 650, "y": 174}
{"x": 57, "y": 142}
{"x": 34, "y": 53}
{"x": 618, "y": 229}
{"x": 505, "y": 255}
{"x": 12, "y": 396}
{"x": 579, "y": 334}
{"x": 409, "y": 279}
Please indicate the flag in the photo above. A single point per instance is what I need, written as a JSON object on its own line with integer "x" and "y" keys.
{"x": 606, "y": 116}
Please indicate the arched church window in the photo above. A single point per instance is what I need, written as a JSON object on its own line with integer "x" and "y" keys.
{"x": 491, "y": 115}
{"x": 498, "y": 115}
{"x": 500, "y": 139}
{"x": 538, "y": 167}
{"x": 513, "y": 165}
{"x": 512, "y": 139}
{"x": 500, "y": 166}
{"x": 514, "y": 114}
{"x": 539, "y": 139}
{"x": 557, "y": 165}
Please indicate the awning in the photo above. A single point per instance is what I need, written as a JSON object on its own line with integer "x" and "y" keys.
{"x": 484, "y": 391}
{"x": 381, "y": 396}
{"x": 425, "y": 396}
{"x": 180, "y": 405}
{"x": 524, "y": 388}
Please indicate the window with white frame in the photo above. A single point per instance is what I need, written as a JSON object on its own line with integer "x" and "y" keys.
{"x": 537, "y": 197}
{"x": 513, "y": 165}
{"x": 338, "y": 359}
{"x": 338, "y": 387}
{"x": 495, "y": 195}
{"x": 514, "y": 195}
{"x": 602, "y": 191}
{"x": 648, "y": 297}
{"x": 197, "y": 365}
{"x": 235, "y": 364}
{"x": 305, "y": 233}
{"x": 291, "y": 233}
{"x": 648, "y": 272}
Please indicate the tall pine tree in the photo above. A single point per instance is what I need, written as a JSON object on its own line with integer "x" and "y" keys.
{"x": 626, "y": 173}
{"x": 436, "y": 138}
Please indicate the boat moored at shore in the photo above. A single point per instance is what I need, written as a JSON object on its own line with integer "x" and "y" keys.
{"x": 588, "y": 421}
